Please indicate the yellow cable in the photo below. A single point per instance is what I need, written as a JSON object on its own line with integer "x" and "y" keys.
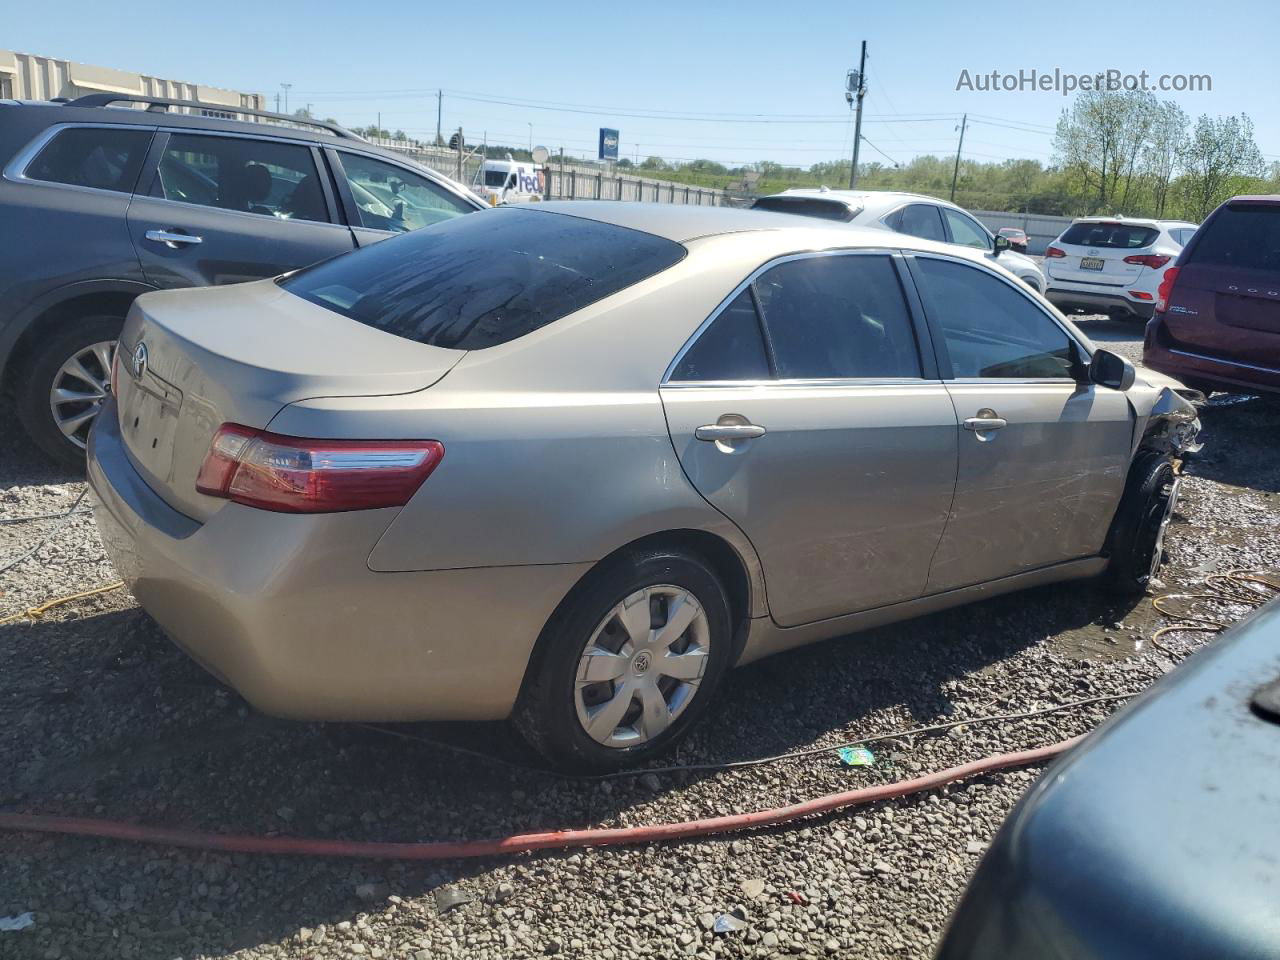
{"x": 35, "y": 613}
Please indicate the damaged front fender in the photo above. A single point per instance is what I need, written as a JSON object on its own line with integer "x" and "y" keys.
{"x": 1173, "y": 423}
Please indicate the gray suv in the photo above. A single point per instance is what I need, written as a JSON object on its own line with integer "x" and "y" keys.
{"x": 102, "y": 203}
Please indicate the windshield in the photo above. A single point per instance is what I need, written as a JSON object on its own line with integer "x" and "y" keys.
{"x": 495, "y": 178}
{"x": 483, "y": 280}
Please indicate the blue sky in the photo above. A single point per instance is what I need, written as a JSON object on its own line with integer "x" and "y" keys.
{"x": 727, "y": 61}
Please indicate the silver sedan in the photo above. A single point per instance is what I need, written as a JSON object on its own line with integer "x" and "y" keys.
{"x": 570, "y": 463}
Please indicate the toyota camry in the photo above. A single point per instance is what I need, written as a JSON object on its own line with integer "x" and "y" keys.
{"x": 569, "y": 463}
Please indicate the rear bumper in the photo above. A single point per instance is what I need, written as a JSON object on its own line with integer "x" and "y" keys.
{"x": 1199, "y": 369}
{"x": 285, "y": 609}
{"x": 1066, "y": 296}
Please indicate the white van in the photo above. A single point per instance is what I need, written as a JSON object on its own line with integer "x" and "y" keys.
{"x": 510, "y": 181}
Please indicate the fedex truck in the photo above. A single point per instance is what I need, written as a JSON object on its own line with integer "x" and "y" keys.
{"x": 510, "y": 181}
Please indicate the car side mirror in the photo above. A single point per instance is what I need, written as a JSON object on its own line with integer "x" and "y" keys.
{"x": 1000, "y": 244}
{"x": 1108, "y": 370}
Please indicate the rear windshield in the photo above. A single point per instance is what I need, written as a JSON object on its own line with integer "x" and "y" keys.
{"x": 807, "y": 207}
{"x": 1241, "y": 236}
{"x": 1116, "y": 236}
{"x": 484, "y": 279}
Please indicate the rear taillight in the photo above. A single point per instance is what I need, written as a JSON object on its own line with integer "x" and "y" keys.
{"x": 1052, "y": 252}
{"x": 1153, "y": 260}
{"x": 296, "y": 475}
{"x": 1166, "y": 289}
{"x": 1140, "y": 294}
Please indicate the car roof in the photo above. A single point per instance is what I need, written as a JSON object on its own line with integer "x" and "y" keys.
{"x": 71, "y": 112}
{"x": 858, "y": 196}
{"x": 685, "y": 222}
{"x": 775, "y": 233}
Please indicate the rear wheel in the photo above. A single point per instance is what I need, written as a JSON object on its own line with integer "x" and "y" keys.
{"x": 68, "y": 379}
{"x": 628, "y": 664}
{"x": 1138, "y": 531}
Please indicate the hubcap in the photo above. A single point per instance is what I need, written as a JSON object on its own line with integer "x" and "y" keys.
{"x": 79, "y": 389}
{"x": 642, "y": 666}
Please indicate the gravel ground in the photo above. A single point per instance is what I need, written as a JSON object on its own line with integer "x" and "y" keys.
{"x": 101, "y": 716}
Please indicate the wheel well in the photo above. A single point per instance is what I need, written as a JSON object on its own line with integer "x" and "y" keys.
{"x": 723, "y": 558}
{"x": 109, "y": 303}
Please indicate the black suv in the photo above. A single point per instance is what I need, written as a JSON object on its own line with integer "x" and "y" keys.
{"x": 101, "y": 204}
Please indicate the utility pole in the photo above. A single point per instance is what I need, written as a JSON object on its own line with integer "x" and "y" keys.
{"x": 858, "y": 90}
{"x": 531, "y": 140}
{"x": 285, "y": 87}
{"x": 439, "y": 114}
{"x": 277, "y": 103}
{"x": 461, "y": 148}
{"x": 955, "y": 173}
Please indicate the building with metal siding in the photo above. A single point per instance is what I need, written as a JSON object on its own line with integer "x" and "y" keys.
{"x": 26, "y": 76}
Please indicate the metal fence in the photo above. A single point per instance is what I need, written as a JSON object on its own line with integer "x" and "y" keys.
{"x": 570, "y": 180}
{"x": 1041, "y": 229}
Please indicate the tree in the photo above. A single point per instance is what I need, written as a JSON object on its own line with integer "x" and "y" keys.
{"x": 400, "y": 135}
{"x": 1220, "y": 156}
{"x": 625, "y": 163}
{"x": 1099, "y": 140}
{"x": 1160, "y": 155}
{"x": 653, "y": 163}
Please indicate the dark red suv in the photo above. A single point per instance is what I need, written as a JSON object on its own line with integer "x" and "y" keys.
{"x": 1217, "y": 319}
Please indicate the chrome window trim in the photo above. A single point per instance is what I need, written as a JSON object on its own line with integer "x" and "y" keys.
{"x": 1023, "y": 291}
{"x": 769, "y": 265}
{"x": 833, "y": 383}
{"x": 16, "y": 170}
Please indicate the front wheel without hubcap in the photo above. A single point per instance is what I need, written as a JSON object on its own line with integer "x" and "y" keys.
{"x": 628, "y": 662}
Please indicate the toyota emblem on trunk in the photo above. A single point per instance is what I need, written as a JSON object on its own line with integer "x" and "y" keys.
{"x": 139, "y": 362}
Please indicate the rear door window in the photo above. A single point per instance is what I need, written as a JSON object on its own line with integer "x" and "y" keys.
{"x": 922, "y": 220}
{"x": 731, "y": 348}
{"x": 483, "y": 280}
{"x": 104, "y": 158}
{"x": 265, "y": 177}
{"x": 838, "y": 317}
{"x": 1110, "y": 236}
{"x": 1242, "y": 235}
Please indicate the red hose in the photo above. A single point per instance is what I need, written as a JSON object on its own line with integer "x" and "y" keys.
{"x": 522, "y": 843}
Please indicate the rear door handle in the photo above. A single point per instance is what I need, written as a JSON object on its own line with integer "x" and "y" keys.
{"x": 983, "y": 424}
{"x": 174, "y": 240}
{"x": 729, "y": 431}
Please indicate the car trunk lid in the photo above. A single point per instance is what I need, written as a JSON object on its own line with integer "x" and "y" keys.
{"x": 193, "y": 360}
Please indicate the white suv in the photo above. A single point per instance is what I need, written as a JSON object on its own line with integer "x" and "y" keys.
{"x": 909, "y": 213}
{"x": 1112, "y": 265}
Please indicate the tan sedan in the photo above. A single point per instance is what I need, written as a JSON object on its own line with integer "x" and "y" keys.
{"x": 570, "y": 463}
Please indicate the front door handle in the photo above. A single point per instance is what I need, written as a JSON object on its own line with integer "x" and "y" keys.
{"x": 729, "y": 431}
{"x": 171, "y": 239}
{"x": 984, "y": 421}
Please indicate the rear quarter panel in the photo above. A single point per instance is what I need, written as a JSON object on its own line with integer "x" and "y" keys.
{"x": 556, "y": 445}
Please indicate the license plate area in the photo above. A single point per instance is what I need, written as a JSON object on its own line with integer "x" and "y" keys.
{"x": 1092, "y": 263}
{"x": 148, "y": 421}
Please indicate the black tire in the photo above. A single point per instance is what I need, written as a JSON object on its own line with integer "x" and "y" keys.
{"x": 546, "y": 712}
{"x": 1136, "y": 540}
{"x": 42, "y": 366}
